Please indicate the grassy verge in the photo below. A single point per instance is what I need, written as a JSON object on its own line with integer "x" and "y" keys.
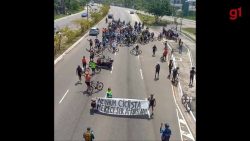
{"x": 69, "y": 37}
{"x": 190, "y": 30}
{"x": 72, "y": 12}
{"x": 150, "y": 20}
{"x": 190, "y": 18}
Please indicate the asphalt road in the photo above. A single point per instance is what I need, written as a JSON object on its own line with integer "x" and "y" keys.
{"x": 131, "y": 77}
{"x": 68, "y": 21}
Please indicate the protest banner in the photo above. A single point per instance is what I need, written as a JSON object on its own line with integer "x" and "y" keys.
{"x": 121, "y": 106}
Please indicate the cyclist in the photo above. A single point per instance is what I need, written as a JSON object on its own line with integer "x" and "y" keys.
{"x": 192, "y": 73}
{"x": 154, "y": 50}
{"x": 92, "y": 65}
{"x": 114, "y": 46}
{"x": 175, "y": 73}
{"x": 92, "y": 54}
{"x": 109, "y": 93}
{"x": 87, "y": 79}
{"x": 97, "y": 42}
{"x": 170, "y": 66}
{"x": 166, "y": 133}
{"x": 152, "y": 103}
{"x": 88, "y": 135}
{"x": 152, "y": 35}
{"x": 137, "y": 49}
{"x": 84, "y": 63}
{"x": 79, "y": 72}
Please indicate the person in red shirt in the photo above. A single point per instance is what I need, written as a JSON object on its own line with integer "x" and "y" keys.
{"x": 165, "y": 53}
{"x": 84, "y": 63}
{"x": 87, "y": 80}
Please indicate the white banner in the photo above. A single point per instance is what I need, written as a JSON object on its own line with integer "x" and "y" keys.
{"x": 120, "y": 106}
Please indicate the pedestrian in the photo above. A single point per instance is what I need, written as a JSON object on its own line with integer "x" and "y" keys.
{"x": 84, "y": 63}
{"x": 88, "y": 135}
{"x": 92, "y": 54}
{"x": 175, "y": 73}
{"x": 170, "y": 66}
{"x": 154, "y": 50}
{"x": 90, "y": 43}
{"x": 157, "y": 70}
{"x": 166, "y": 133}
{"x": 180, "y": 47}
{"x": 92, "y": 65}
{"x": 179, "y": 42}
{"x": 192, "y": 73}
{"x": 109, "y": 93}
{"x": 79, "y": 73}
{"x": 165, "y": 53}
{"x": 152, "y": 103}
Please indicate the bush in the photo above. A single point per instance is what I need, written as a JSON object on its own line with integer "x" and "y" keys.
{"x": 84, "y": 24}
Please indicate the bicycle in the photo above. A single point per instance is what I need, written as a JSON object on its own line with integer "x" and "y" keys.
{"x": 186, "y": 101}
{"x": 95, "y": 85}
{"x": 110, "y": 48}
{"x": 135, "y": 52}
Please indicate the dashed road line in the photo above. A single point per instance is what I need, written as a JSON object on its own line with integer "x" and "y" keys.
{"x": 64, "y": 96}
{"x": 141, "y": 74}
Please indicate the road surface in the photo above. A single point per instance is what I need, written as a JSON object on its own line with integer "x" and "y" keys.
{"x": 131, "y": 77}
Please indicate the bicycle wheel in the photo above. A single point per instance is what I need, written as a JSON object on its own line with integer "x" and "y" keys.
{"x": 98, "y": 69}
{"x": 133, "y": 52}
{"x": 99, "y": 86}
{"x": 184, "y": 98}
{"x": 140, "y": 52}
{"x": 188, "y": 106}
{"x": 117, "y": 49}
{"x": 90, "y": 90}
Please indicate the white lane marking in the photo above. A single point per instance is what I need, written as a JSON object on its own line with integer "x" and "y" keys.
{"x": 141, "y": 74}
{"x": 111, "y": 70}
{"x": 115, "y": 53}
{"x": 179, "y": 124}
{"x": 193, "y": 116}
{"x": 64, "y": 96}
{"x": 138, "y": 57}
{"x": 191, "y": 135}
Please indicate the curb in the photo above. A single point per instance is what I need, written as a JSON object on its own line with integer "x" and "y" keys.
{"x": 71, "y": 47}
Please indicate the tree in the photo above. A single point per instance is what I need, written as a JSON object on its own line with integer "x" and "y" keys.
{"x": 159, "y": 8}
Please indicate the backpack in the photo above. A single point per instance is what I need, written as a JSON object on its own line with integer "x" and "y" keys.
{"x": 87, "y": 136}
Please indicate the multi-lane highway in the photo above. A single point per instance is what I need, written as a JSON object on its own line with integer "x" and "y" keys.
{"x": 132, "y": 77}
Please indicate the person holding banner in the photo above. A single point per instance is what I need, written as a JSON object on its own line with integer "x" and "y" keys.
{"x": 109, "y": 93}
{"x": 152, "y": 103}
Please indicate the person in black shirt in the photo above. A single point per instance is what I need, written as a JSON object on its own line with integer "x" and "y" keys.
{"x": 192, "y": 73}
{"x": 157, "y": 70}
{"x": 170, "y": 66}
{"x": 79, "y": 72}
{"x": 154, "y": 50}
{"x": 175, "y": 73}
{"x": 152, "y": 103}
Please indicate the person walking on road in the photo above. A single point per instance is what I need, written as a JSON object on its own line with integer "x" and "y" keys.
{"x": 92, "y": 65}
{"x": 154, "y": 50}
{"x": 157, "y": 70}
{"x": 180, "y": 47}
{"x": 109, "y": 93}
{"x": 88, "y": 135}
{"x": 175, "y": 73}
{"x": 152, "y": 103}
{"x": 79, "y": 73}
{"x": 170, "y": 67}
{"x": 84, "y": 63}
{"x": 165, "y": 53}
{"x": 90, "y": 43}
{"x": 92, "y": 54}
{"x": 166, "y": 133}
{"x": 192, "y": 73}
